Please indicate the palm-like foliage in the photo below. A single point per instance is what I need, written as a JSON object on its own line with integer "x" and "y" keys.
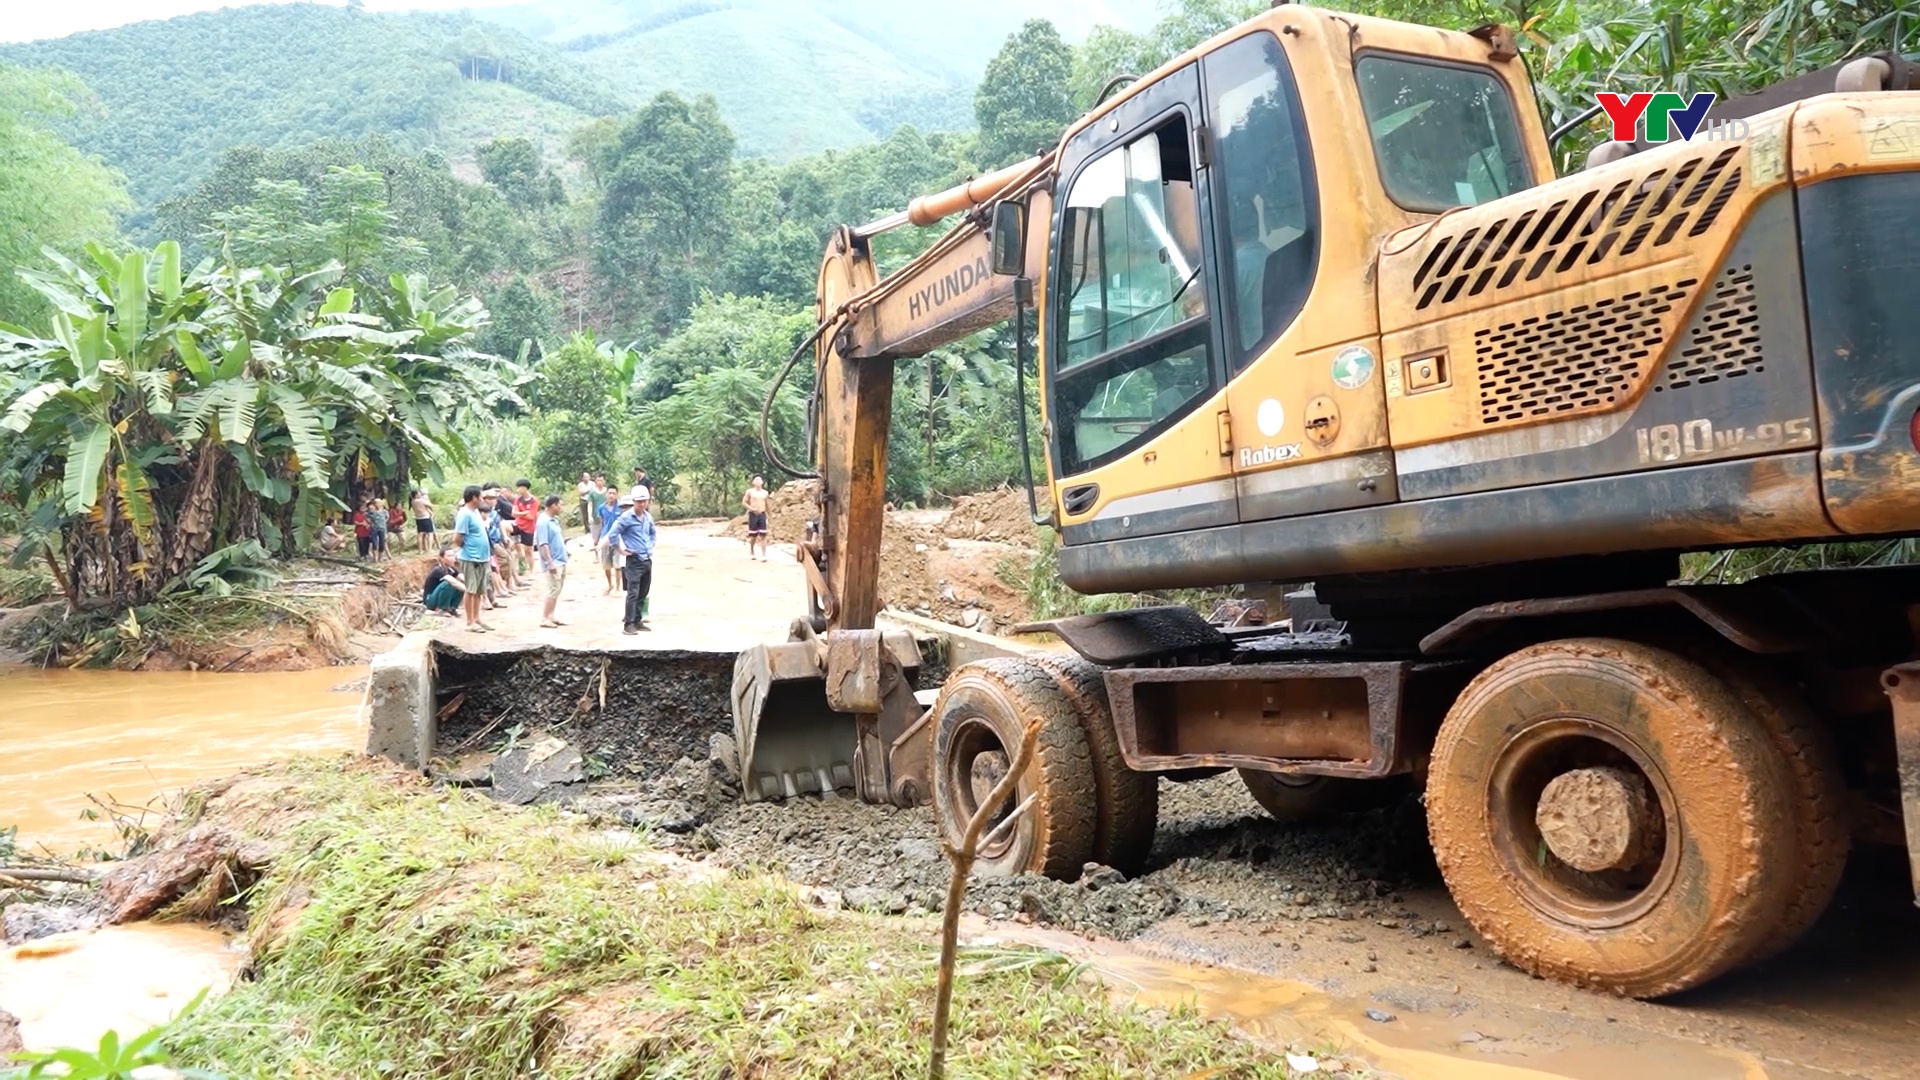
{"x": 167, "y": 414}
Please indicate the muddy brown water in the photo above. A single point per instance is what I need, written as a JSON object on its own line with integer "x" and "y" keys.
{"x": 129, "y": 737}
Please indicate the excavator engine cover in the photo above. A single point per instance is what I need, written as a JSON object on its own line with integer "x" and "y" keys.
{"x": 824, "y": 712}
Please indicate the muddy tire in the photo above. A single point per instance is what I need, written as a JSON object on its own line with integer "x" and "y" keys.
{"x": 980, "y": 718}
{"x": 1294, "y": 800}
{"x": 1822, "y": 825}
{"x": 1126, "y": 803}
{"x": 1611, "y": 814}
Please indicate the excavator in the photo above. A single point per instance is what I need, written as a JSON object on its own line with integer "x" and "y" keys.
{"x": 1311, "y": 305}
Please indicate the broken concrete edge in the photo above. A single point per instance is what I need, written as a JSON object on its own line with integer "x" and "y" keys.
{"x": 399, "y": 705}
{"x": 400, "y": 708}
{"x": 963, "y": 646}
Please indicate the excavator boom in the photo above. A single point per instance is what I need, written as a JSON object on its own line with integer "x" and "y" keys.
{"x": 839, "y": 687}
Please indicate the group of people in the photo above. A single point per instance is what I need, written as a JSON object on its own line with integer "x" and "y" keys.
{"x": 502, "y": 539}
{"x": 374, "y": 521}
{"x": 494, "y": 529}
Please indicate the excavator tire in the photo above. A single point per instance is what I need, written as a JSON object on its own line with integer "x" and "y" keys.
{"x": 1819, "y": 791}
{"x": 1126, "y": 803}
{"x": 979, "y": 720}
{"x": 1295, "y": 800}
{"x": 1611, "y": 814}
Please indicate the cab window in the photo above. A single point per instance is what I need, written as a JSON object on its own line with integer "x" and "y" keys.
{"x": 1263, "y": 191}
{"x": 1444, "y": 135}
{"x": 1131, "y": 340}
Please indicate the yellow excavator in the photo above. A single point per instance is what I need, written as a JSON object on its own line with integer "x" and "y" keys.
{"x": 1312, "y": 305}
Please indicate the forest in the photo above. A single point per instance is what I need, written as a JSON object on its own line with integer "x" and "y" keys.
{"x": 463, "y": 248}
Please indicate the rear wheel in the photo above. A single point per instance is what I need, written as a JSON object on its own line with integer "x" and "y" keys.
{"x": 1126, "y": 803}
{"x": 980, "y": 718}
{"x": 1611, "y": 814}
{"x": 1822, "y": 829}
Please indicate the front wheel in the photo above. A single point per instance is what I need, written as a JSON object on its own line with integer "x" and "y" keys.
{"x": 980, "y": 718}
{"x": 1611, "y": 814}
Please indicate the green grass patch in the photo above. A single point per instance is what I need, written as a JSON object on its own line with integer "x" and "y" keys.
{"x": 439, "y": 935}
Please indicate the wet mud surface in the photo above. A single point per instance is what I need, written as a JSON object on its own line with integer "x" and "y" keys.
{"x": 1355, "y": 908}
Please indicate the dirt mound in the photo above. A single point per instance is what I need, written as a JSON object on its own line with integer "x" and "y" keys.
{"x": 789, "y": 507}
{"x": 1000, "y": 515}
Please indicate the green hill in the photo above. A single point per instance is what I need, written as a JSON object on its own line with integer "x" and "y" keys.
{"x": 793, "y": 77}
{"x": 173, "y": 94}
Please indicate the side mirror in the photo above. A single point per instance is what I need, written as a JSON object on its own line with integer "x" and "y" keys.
{"x": 1010, "y": 238}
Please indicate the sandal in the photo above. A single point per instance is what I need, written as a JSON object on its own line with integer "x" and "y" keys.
{"x": 477, "y": 628}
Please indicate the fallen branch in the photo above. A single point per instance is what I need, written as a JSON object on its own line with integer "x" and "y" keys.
{"x": 71, "y": 875}
{"x": 962, "y": 858}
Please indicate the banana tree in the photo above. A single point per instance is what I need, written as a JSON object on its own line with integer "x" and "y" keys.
{"x": 168, "y": 415}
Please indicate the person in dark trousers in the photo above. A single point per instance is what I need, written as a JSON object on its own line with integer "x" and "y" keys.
{"x": 445, "y": 590}
{"x": 632, "y": 536}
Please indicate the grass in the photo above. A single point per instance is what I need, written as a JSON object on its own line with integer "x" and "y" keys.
{"x": 408, "y": 933}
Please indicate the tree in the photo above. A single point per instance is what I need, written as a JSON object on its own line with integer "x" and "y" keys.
{"x": 344, "y": 218}
{"x": 700, "y": 393}
{"x": 165, "y": 417}
{"x": 523, "y": 317}
{"x": 663, "y": 217}
{"x": 514, "y": 168}
{"x": 1108, "y": 51}
{"x": 749, "y": 331}
{"x": 1022, "y": 105}
{"x": 51, "y": 195}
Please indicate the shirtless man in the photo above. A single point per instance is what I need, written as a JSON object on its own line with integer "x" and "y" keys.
{"x": 755, "y": 500}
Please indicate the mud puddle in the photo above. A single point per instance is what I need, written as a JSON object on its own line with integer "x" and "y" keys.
{"x": 68, "y": 989}
{"x": 130, "y": 736}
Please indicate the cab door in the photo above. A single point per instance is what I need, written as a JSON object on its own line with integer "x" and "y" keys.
{"x": 1135, "y": 390}
{"x": 1300, "y": 331}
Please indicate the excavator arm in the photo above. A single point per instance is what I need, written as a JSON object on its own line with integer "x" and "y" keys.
{"x": 835, "y": 705}
{"x": 947, "y": 292}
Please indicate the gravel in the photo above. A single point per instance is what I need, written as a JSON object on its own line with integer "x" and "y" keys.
{"x": 1217, "y": 856}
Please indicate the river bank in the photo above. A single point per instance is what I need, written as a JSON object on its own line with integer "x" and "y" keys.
{"x": 398, "y": 929}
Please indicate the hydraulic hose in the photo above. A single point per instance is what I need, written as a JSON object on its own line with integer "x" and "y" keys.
{"x": 773, "y": 391}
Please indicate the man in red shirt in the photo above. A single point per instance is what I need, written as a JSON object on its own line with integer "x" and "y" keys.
{"x": 526, "y": 514}
{"x": 362, "y": 532}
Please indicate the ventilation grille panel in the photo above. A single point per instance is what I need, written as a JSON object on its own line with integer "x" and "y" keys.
{"x": 1725, "y": 340}
{"x": 1650, "y": 209}
{"x": 1583, "y": 359}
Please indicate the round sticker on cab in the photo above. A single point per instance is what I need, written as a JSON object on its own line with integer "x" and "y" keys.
{"x": 1272, "y": 416}
{"x": 1352, "y": 367}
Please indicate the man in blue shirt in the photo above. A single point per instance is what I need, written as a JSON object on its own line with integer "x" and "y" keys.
{"x": 609, "y": 558}
{"x": 550, "y": 555}
{"x": 632, "y": 536}
{"x": 471, "y": 532}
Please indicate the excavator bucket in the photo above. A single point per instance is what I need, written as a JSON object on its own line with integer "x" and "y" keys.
{"x": 790, "y": 740}
{"x": 817, "y": 714}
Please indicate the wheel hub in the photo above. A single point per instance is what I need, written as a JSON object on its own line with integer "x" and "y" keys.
{"x": 985, "y": 773}
{"x": 1600, "y": 818}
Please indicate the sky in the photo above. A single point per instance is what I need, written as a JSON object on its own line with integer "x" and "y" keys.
{"x": 29, "y": 20}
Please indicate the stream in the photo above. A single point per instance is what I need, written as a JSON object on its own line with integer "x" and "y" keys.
{"x": 130, "y": 740}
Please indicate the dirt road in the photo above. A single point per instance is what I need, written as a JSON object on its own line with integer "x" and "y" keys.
{"x": 706, "y": 595}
